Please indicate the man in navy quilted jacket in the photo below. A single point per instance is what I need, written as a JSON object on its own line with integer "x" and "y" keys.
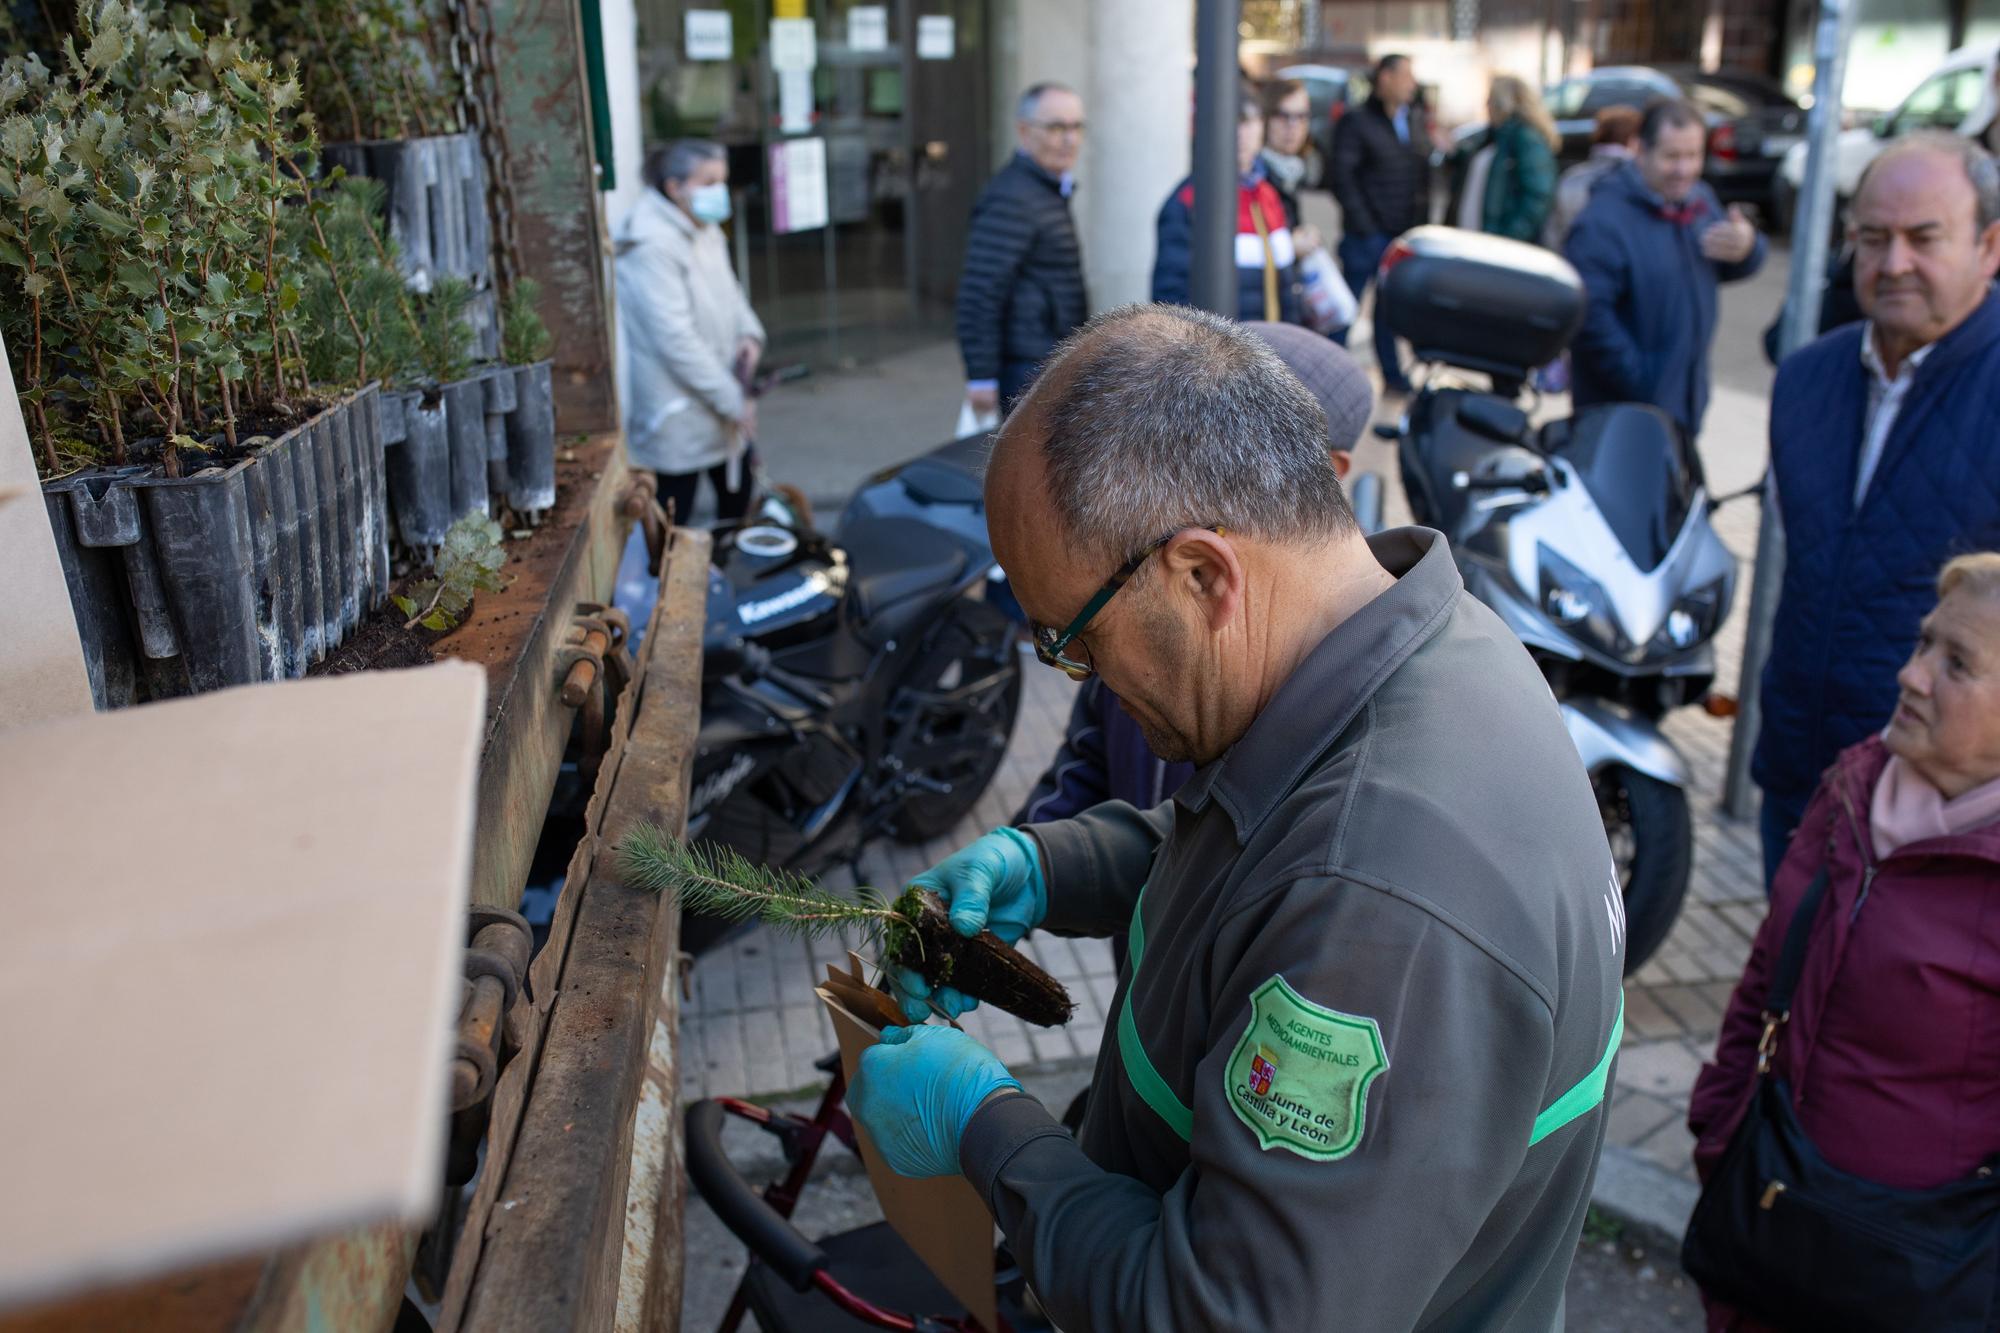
{"x": 1021, "y": 290}
{"x": 1885, "y": 452}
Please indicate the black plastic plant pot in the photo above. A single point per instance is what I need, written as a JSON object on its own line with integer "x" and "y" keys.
{"x": 465, "y": 419}
{"x": 418, "y": 464}
{"x": 96, "y": 520}
{"x": 367, "y": 422}
{"x": 436, "y": 188}
{"x": 204, "y": 549}
{"x": 483, "y": 317}
{"x": 274, "y": 508}
{"x": 531, "y": 443}
{"x": 227, "y": 576}
{"x": 501, "y": 402}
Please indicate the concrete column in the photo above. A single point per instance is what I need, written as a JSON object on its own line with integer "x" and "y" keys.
{"x": 1140, "y": 105}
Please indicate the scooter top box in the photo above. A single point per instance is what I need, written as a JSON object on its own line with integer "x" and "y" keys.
{"x": 1481, "y": 302}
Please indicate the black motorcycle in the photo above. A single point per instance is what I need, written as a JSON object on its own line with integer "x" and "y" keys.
{"x": 852, "y": 688}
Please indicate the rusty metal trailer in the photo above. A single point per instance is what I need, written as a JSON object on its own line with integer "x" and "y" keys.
{"x": 573, "y": 1221}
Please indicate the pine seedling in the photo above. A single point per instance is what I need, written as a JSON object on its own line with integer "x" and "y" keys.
{"x": 717, "y": 881}
{"x": 468, "y": 562}
{"x": 914, "y": 931}
{"x": 446, "y": 340}
{"x": 524, "y": 339}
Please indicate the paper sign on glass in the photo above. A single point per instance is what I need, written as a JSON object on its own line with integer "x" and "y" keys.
{"x": 798, "y": 185}
{"x": 937, "y": 37}
{"x": 794, "y": 45}
{"x": 795, "y": 100}
{"x": 709, "y": 34}
{"x": 868, "y": 28}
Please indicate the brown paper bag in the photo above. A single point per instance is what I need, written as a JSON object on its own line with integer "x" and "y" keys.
{"x": 942, "y": 1220}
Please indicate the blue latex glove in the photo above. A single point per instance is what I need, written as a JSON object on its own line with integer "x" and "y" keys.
{"x": 915, "y": 1092}
{"x": 994, "y": 883}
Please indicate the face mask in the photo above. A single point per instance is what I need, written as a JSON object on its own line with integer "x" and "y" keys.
{"x": 710, "y": 203}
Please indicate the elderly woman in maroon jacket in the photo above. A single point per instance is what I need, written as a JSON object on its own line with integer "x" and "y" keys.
{"x": 1893, "y": 1047}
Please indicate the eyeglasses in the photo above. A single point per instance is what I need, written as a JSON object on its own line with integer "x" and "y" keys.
{"x": 1059, "y": 126}
{"x": 1297, "y": 117}
{"x": 1049, "y": 645}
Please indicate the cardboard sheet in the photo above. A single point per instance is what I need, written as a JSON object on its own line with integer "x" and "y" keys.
{"x": 942, "y": 1219}
{"x": 41, "y": 659}
{"x": 230, "y": 970}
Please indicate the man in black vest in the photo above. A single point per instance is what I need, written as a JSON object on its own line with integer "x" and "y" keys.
{"x": 1382, "y": 177}
{"x": 1021, "y": 290}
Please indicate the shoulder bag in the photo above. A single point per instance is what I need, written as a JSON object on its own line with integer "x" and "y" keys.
{"x": 1786, "y": 1236}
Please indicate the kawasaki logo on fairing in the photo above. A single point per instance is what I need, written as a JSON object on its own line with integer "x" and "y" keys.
{"x": 752, "y": 612}
{"x": 718, "y": 785}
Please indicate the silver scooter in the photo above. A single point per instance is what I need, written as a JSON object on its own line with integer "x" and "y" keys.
{"x": 1589, "y": 536}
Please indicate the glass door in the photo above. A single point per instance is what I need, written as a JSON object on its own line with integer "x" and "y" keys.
{"x": 900, "y": 170}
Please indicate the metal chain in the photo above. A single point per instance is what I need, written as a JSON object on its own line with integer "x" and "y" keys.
{"x": 472, "y": 52}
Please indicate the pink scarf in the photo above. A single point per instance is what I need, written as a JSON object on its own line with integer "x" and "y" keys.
{"x": 1908, "y": 809}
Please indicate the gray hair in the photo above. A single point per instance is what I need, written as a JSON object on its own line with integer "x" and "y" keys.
{"x": 1031, "y": 100}
{"x": 1980, "y": 169}
{"x": 677, "y": 161}
{"x": 1158, "y": 418}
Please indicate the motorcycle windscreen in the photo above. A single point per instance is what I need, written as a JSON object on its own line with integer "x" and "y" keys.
{"x": 1639, "y": 474}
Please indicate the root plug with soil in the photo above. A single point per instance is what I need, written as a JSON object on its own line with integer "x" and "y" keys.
{"x": 913, "y": 931}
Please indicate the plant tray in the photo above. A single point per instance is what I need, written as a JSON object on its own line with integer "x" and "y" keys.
{"x": 493, "y": 433}
{"x": 235, "y": 574}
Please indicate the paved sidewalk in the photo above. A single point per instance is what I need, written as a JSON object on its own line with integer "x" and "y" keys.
{"x": 754, "y": 1028}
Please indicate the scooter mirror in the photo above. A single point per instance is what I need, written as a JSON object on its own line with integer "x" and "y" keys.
{"x": 1537, "y": 481}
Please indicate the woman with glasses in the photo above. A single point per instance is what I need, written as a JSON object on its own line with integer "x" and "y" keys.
{"x": 1291, "y": 159}
{"x": 1267, "y": 283}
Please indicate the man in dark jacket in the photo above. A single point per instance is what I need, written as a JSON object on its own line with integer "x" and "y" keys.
{"x": 1021, "y": 290}
{"x": 1267, "y": 284}
{"x": 1382, "y": 177}
{"x": 1371, "y": 1004}
{"x": 1882, "y": 453}
{"x": 1652, "y": 246}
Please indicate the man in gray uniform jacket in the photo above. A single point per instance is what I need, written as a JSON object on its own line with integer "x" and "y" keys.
{"x": 1372, "y": 997}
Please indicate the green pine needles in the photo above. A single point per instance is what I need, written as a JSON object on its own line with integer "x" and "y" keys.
{"x": 716, "y": 881}
{"x": 524, "y": 339}
{"x": 914, "y": 931}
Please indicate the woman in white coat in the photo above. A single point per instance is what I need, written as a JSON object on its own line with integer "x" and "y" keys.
{"x": 688, "y": 332}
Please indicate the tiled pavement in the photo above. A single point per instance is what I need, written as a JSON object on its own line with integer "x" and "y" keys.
{"x": 754, "y": 1028}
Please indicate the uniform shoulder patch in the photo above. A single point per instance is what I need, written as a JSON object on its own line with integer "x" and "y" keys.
{"x": 1299, "y": 1076}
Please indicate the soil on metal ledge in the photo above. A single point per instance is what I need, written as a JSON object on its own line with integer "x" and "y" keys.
{"x": 379, "y": 643}
{"x": 500, "y": 622}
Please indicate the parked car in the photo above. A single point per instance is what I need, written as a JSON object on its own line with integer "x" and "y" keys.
{"x": 1333, "y": 89}
{"x": 1752, "y": 121}
{"x": 1961, "y": 95}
